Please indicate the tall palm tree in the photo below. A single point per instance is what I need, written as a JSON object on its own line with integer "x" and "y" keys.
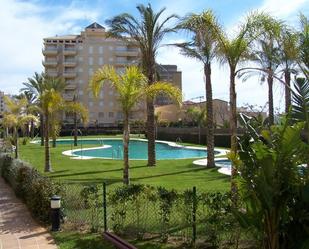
{"x": 51, "y": 104}
{"x": 148, "y": 32}
{"x": 289, "y": 52}
{"x": 303, "y": 61}
{"x": 35, "y": 87}
{"x": 267, "y": 59}
{"x": 203, "y": 48}
{"x": 233, "y": 51}
{"x": 17, "y": 118}
{"x": 132, "y": 87}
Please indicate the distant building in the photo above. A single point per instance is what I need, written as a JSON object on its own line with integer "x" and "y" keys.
{"x": 172, "y": 113}
{"x": 75, "y": 58}
{"x": 3, "y": 107}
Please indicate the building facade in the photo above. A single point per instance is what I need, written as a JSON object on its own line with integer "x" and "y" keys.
{"x": 2, "y": 104}
{"x": 76, "y": 57}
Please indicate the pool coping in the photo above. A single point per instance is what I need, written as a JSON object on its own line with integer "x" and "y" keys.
{"x": 222, "y": 168}
{"x": 172, "y": 144}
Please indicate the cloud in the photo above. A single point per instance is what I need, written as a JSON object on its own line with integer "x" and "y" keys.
{"x": 23, "y": 26}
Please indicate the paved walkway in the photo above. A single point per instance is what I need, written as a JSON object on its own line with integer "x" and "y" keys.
{"x": 18, "y": 230}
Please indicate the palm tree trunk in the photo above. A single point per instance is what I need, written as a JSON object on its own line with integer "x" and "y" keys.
{"x": 54, "y": 141}
{"x": 47, "y": 153}
{"x": 16, "y": 142}
{"x": 32, "y": 129}
{"x": 151, "y": 121}
{"x": 126, "y": 138}
{"x": 42, "y": 129}
{"x": 209, "y": 118}
{"x": 75, "y": 129}
{"x": 287, "y": 78}
{"x": 233, "y": 131}
{"x": 270, "y": 81}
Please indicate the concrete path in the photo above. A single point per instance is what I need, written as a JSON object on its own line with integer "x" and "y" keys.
{"x": 18, "y": 230}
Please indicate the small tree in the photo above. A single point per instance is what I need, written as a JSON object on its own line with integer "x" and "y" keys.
{"x": 198, "y": 116}
{"x": 17, "y": 118}
{"x": 132, "y": 87}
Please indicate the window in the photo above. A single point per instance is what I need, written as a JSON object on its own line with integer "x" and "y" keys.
{"x": 90, "y": 61}
{"x": 111, "y": 47}
{"x": 111, "y": 59}
{"x": 90, "y": 95}
{"x": 111, "y": 104}
{"x": 101, "y": 94}
{"x": 90, "y": 71}
{"x": 90, "y": 49}
{"x": 80, "y": 92}
{"x": 101, "y": 50}
{"x": 90, "y": 103}
{"x": 80, "y": 59}
{"x": 110, "y": 114}
{"x": 91, "y": 115}
{"x": 100, "y": 61}
{"x": 80, "y": 70}
{"x": 81, "y": 82}
{"x": 101, "y": 114}
{"x": 101, "y": 103}
{"x": 111, "y": 92}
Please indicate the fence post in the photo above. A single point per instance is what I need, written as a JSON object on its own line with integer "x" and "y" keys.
{"x": 104, "y": 207}
{"x": 194, "y": 204}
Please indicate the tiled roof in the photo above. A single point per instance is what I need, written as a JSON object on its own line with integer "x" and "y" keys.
{"x": 95, "y": 25}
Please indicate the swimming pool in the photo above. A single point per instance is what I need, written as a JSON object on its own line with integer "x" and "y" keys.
{"x": 113, "y": 149}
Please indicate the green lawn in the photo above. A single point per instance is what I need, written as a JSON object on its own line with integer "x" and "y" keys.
{"x": 177, "y": 174}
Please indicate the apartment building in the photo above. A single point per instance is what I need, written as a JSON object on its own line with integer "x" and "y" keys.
{"x": 2, "y": 104}
{"x": 76, "y": 57}
{"x": 168, "y": 73}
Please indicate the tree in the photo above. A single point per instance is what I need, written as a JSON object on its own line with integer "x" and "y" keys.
{"x": 233, "y": 51}
{"x": 303, "y": 60}
{"x": 35, "y": 87}
{"x": 203, "y": 47}
{"x": 17, "y": 118}
{"x": 51, "y": 104}
{"x": 199, "y": 117}
{"x": 289, "y": 53}
{"x": 148, "y": 33}
{"x": 267, "y": 58}
{"x": 132, "y": 87}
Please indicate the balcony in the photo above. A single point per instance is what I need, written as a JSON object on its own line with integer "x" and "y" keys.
{"x": 69, "y": 51}
{"x": 49, "y": 63}
{"x": 125, "y": 62}
{"x": 68, "y": 97}
{"x": 127, "y": 52}
{"x": 50, "y": 51}
{"x": 70, "y": 87}
{"x": 69, "y": 63}
{"x": 52, "y": 73}
{"x": 69, "y": 74}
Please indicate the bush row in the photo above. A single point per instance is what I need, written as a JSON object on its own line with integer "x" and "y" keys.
{"x": 29, "y": 185}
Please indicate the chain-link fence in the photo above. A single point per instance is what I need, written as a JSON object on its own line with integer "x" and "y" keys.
{"x": 144, "y": 212}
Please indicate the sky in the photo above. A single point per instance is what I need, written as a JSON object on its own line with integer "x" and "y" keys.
{"x": 24, "y": 24}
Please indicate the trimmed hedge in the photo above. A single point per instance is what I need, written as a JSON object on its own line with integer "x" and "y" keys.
{"x": 29, "y": 185}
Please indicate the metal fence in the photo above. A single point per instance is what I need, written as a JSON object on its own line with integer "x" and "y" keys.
{"x": 146, "y": 213}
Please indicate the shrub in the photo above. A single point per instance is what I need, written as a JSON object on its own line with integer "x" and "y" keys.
{"x": 28, "y": 184}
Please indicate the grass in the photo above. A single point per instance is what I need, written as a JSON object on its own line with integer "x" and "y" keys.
{"x": 178, "y": 174}
{"x": 75, "y": 240}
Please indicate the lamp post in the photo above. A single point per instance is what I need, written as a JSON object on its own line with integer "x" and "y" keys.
{"x": 55, "y": 204}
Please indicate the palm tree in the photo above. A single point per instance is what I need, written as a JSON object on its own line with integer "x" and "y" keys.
{"x": 51, "y": 104}
{"x": 303, "y": 61}
{"x": 35, "y": 87}
{"x": 17, "y": 118}
{"x": 198, "y": 116}
{"x": 203, "y": 48}
{"x": 234, "y": 51}
{"x": 132, "y": 87}
{"x": 289, "y": 52}
{"x": 267, "y": 59}
{"x": 148, "y": 33}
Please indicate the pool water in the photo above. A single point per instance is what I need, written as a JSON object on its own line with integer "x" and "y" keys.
{"x": 137, "y": 150}
{"x": 224, "y": 163}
